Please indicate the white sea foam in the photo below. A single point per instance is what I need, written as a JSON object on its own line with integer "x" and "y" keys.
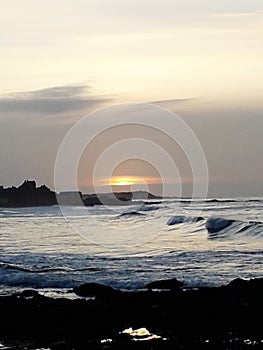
{"x": 105, "y": 341}
{"x": 140, "y": 334}
{"x": 3, "y": 347}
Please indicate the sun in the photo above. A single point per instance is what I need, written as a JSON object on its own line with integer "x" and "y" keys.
{"x": 124, "y": 181}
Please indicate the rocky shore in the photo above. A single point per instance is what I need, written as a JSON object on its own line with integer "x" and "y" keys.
{"x": 163, "y": 316}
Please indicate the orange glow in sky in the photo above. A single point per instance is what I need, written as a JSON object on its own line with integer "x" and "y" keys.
{"x": 125, "y": 180}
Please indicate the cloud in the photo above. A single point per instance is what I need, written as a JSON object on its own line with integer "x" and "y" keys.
{"x": 53, "y": 100}
{"x": 172, "y": 101}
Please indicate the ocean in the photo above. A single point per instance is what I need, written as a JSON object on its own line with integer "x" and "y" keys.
{"x": 202, "y": 243}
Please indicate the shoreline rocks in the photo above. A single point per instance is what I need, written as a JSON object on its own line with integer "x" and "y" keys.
{"x": 205, "y": 318}
{"x": 95, "y": 290}
{"x": 170, "y": 284}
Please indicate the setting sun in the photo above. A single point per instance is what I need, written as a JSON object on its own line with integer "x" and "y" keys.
{"x": 125, "y": 181}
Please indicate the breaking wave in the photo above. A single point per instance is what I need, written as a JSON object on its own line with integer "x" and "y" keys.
{"x": 180, "y": 219}
{"x": 218, "y": 227}
{"x": 222, "y": 227}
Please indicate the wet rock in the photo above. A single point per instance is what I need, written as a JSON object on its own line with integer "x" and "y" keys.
{"x": 94, "y": 290}
{"x": 239, "y": 284}
{"x": 29, "y": 294}
{"x": 169, "y": 284}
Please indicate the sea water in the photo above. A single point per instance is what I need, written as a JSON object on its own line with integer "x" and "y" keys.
{"x": 202, "y": 243}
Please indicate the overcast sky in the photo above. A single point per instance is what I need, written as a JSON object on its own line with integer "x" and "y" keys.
{"x": 62, "y": 59}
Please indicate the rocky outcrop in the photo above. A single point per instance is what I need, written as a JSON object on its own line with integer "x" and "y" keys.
{"x": 94, "y": 290}
{"x": 227, "y": 317}
{"x": 170, "y": 284}
{"x": 27, "y": 195}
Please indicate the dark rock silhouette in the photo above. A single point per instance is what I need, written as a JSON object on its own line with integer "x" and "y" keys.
{"x": 94, "y": 290}
{"x": 107, "y": 199}
{"x": 27, "y": 195}
{"x": 29, "y": 294}
{"x": 117, "y": 198}
{"x": 170, "y": 284}
{"x": 241, "y": 285}
{"x": 70, "y": 198}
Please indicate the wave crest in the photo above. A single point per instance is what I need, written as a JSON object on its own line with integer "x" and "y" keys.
{"x": 180, "y": 219}
{"x": 218, "y": 227}
{"x": 222, "y": 227}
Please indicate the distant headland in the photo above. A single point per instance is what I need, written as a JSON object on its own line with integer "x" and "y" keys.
{"x": 29, "y": 195}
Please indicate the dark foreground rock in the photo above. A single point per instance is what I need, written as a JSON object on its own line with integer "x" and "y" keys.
{"x": 95, "y": 290}
{"x": 171, "y": 284}
{"x": 227, "y": 317}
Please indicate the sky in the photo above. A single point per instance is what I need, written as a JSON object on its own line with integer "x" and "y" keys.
{"x": 62, "y": 59}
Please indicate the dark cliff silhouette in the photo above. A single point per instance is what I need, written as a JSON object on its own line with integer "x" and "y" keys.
{"x": 29, "y": 195}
